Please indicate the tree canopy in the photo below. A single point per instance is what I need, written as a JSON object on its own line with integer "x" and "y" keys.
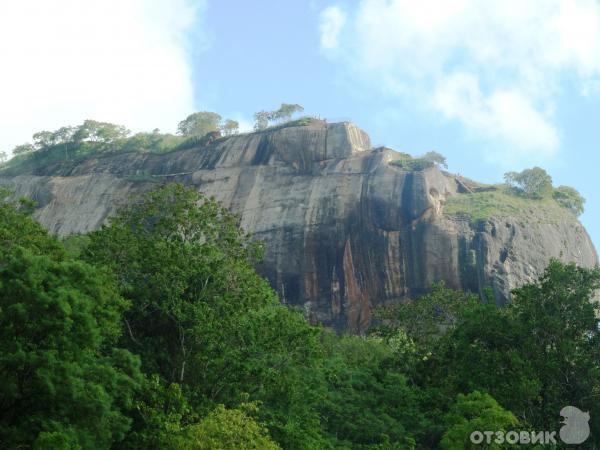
{"x": 156, "y": 332}
{"x": 224, "y": 429}
{"x": 570, "y": 199}
{"x": 65, "y": 382}
{"x": 230, "y": 127}
{"x": 201, "y": 317}
{"x": 532, "y": 183}
{"x": 283, "y": 114}
{"x": 261, "y": 120}
{"x": 286, "y": 111}
{"x": 536, "y": 184}
{"x": 436, "y": 158}
{"x": 92, "y": 137}
{"x": 23, "y": 149}
{"x": 475, "y": 411}
{"x": 199, "y": 123}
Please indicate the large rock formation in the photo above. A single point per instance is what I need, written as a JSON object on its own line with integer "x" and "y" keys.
{"x": 344, "y": 229}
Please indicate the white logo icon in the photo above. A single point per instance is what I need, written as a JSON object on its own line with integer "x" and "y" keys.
{"x": 576, "y": 428}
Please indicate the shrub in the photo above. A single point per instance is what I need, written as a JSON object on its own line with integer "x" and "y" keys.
{"x": 416, "y": 164}
{"x": 569, "y": 198}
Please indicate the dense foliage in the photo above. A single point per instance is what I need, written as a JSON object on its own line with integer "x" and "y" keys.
{"x": 155, "y": 332}
{"x": 94, "y": 138}
{"x": 85, "y": 140}
{"x": 66, "y": 383}
{"x": 203, "y": 122}
{"x": 532, "y": 183}
{"x": 536, "y": 184}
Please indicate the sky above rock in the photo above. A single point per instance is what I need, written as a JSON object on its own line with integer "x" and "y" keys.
{"x": 493, "y": 85}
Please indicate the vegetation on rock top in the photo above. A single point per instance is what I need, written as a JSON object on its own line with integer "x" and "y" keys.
{"x": 528, "y": 194}
{"x": 524, "y": 194}
{"x": 262, "y": 119}
{"x": 429, "y": 159}
{"x": 499, "y": 201}
{"x": 93, "y": 138}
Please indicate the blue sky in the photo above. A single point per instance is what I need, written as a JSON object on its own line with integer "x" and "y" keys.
{"x": 493, "y": 85}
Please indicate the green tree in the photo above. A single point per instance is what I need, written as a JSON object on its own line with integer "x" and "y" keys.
{"x": 43, "y": 140}
{"x": 367, "y": 402}
{"x": 274, "y": 356}
{"x": 261, "y": 120}
{"x": 18, "y": 229}
{"x": 436, "y": 158}
{"x": 99, "y": 132}
{"x": 230, "y": 127}
{"x": 177, "y": 262}
{"x": 23, "y": 149}
{"x": 475, "y": 411}
{"x": 427, "y": 318}
{"x": 139, "y": 142}
{"x": 110, "y": 133}
{"x": 201, "y": 316}
{"x": 161, "y": 413}
{"x": 536, "y": 355}
{"x": 560, "y": 314}
{"x": 532, "y": 183}
{"x": 64, "y": 137}
{"x": 569, "y": 198}
{"x": 84, "y": 131}
{"x": 224, "y": 429}
{"x": 199, "y": 123}
{"x": 64, "y": 382}
{"x": 3, "y": 157}
{"x": 485, "y": 352}
{"x": 285, "y": 112}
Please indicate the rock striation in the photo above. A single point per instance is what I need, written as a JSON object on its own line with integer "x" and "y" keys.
{"x": 344, "y": 229}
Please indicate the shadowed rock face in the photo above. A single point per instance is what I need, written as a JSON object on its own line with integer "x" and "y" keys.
{"x": 344, "y": 230}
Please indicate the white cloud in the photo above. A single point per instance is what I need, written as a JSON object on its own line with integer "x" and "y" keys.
{"x": 508, "y": 115}
{"x": 496, "y": 66}
{"x": 332, "y": 21}
{"x": 123, "y": 61}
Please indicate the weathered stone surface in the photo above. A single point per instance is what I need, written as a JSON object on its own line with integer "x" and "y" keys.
{"x": 344, "y": 230}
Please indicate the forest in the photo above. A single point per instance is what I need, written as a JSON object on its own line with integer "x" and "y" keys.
{"x": 156, "y": 332}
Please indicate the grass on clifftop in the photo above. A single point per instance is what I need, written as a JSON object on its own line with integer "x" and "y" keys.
{"x": 71, "y": 153}
{"x": 499, "y": 202}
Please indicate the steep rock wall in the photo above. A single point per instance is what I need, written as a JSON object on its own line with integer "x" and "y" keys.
{"x": 344, "y": 230}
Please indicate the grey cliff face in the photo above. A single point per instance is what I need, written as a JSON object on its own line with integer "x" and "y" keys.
{"x": 344, "y": 230}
